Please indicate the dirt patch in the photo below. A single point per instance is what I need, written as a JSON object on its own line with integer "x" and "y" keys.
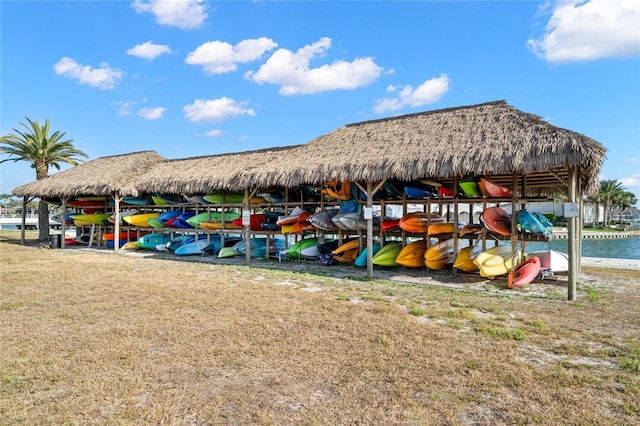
{"x": 92, "y": 337}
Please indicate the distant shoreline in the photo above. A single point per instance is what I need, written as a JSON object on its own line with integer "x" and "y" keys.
{"x": 632, "y": 264}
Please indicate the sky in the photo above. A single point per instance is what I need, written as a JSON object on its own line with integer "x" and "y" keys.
{"x": 191, "y": 78}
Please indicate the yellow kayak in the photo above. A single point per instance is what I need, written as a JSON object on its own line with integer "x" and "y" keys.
{"x": 140, "y": 220}
{"x": 496, "y": 261}
{"x": 439, "y": 256}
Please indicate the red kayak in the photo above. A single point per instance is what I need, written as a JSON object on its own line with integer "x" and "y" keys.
{"x": 255, "y": 221}
{"x": 490, "y": 189}
{"x": 496, "y": 220}
{"x": 524, "y": 273}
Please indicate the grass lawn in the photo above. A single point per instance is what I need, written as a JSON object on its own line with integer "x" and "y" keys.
{"x": 91, "y": 337}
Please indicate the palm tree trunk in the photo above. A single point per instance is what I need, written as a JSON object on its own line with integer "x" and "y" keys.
{"x": 43, "y": 221}
{"x": 42, "y": 171}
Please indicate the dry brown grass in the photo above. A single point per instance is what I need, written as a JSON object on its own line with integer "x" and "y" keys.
{"x": 95, "y": 338}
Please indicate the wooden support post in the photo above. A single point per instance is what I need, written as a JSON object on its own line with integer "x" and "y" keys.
{"x": 63, "y": 224}
{"x": 247, "y": 230}
{"x": 370, "y": 230}
{"x": 24, "y": 220}
{"x": 573, "y": 239}
{"x": 116, "y": 229}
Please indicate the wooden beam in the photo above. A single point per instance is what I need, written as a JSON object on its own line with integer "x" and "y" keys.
{"x": 573, "y": 239}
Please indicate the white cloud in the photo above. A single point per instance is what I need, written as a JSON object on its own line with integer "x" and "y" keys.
{"x": 427, "y": 93}
{"x": 184, "y": 14}
{"x": 102, "y": 78}
{"x": 214, "y": 133}
{"x": 584, "y": 31}
{"x": 631, "y": 160}
{"x": 215, "y": 110}
{"x": 218, "y": 57}
{"x": 151, "y": 113}
{"x": 148, "y": 50}
{"x": 293, "y": 73}
{"x": 631, "y": 181}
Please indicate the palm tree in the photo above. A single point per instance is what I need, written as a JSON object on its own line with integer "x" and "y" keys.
{"x": 35, "y": 145}
{"x": 622, "y": 201}
{"x": 609, "y": 189}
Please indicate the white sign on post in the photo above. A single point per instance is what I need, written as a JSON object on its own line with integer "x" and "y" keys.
{"x": 368, "y": 213}
{"x": 570, "y": 209}
{"x": 246, "y": 217}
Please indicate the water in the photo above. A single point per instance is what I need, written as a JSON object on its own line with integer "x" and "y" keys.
{"x": 610, "y": 248}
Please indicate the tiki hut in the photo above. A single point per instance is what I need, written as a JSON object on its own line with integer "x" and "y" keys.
{"x": 104, "y": 176}
{"x": 492, "y": 139}
{"x": 113, "y": 176}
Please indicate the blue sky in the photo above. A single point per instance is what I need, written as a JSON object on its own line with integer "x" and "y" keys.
{"x": 190, "y": 78}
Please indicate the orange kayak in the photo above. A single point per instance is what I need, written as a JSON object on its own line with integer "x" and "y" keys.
{"x": 419, "y": 222}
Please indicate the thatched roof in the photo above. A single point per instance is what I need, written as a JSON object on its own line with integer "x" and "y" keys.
{"x": 102, "y": 176}
{"x": 492, "y": 139}
{"x": 204, "y": 174}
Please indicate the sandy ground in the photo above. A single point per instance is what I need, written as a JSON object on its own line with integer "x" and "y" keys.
{"x": 632, "y": 264}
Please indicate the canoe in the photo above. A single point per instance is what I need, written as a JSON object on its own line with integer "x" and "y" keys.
{"x": 353, "y": 221}
{"x": 290, "y": 218}
{"x": 337, "y": 190}
{"x": 322, "y": 219}
{"x": 466, "y": 256}
{"x": 441, "y": 228}
{"x": 470, "y": 187}
{"x": 419, "y": 222}
{"x": 123, "y": 235}
{"x": 532, "y": 223}
{"x": 166, "y": 199}
{"x": 307, "y": 248}
{"x": 259, "y": 246}
{"x": 412, "y": 255}
{"x": 216, "y": 216}
{"x": 525, "y": 272}
{"x": 490, "y": 189}
{"x": 230, "y": 198}
{"x": 440, "y": 255}
{"x": 387, "y": 255}
{"x": 361, "y": 260}
{"x": 136, "y": 201}
{"x": 471, "y": 229}
{"x": 150, "y": 241}
{"x": 87, "y": 203}
{"x": 255, "y": 221}
{"x": 445, "y": 192}
{"x": 181, "y": 221}
{"x": 496, "y": 220}
{"x": 155, "y": 223}
{"x": 197, "y": 246}
{"x": 553, "y": 260}
{"x": 390, "y": 224}
{"x": 178, "y": 241}
{"x": 112, "y": 218}
{"x": 496, "y": 261}
{"x": 194, "y": 199}
{"x": 213, "y": 226}
{"x": 227, "y": 252}
{"x": 347, "y": 252}
{"x": 140, "y": 220}
{"x": 91, "y": 219}
{"x": 131, "y": 245}
{"x": 224, "y": 197}
{"x": 415, "y": 192}
{"x": 169, "y": 214}
{"x": 299, "y": 227}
